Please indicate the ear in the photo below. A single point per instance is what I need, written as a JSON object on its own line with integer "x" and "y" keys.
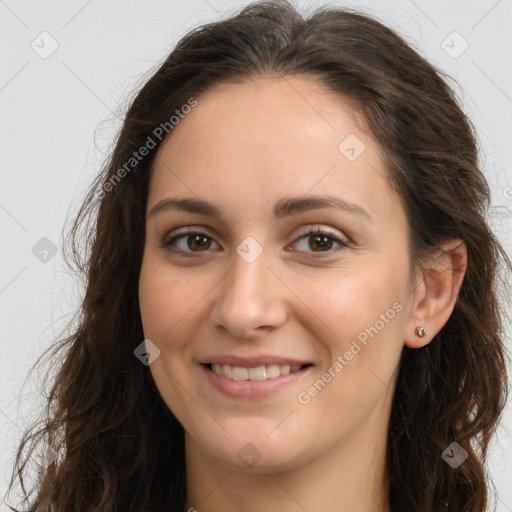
{"x": 436, "y": 292}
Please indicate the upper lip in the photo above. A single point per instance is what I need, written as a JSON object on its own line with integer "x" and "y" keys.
{"x": 253, "y": 361}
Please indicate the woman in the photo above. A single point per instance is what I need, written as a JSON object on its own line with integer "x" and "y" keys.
{"x": 291, "y": 296}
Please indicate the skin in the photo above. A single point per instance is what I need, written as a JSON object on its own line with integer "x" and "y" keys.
{"x": 244, "y": 147}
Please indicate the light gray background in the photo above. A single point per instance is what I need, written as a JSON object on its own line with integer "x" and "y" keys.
{"x": 59, "y": 115}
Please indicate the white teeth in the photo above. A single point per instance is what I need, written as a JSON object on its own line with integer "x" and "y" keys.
{"x": 284, "y": 369}
{"x": 273, "y": 371}
{"x": 226, "y": 370}
{"x": 239, "y": 373}
{"x": 257, "y": 373}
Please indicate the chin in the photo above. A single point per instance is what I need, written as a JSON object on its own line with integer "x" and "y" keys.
{"x": 255, "y": 452}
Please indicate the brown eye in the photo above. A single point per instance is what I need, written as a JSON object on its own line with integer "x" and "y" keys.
{"x": 323, "y": 241}
{"x": 199, "y": 241}
{"x": 320, "y": 241}
{"x": 189, "y": 243}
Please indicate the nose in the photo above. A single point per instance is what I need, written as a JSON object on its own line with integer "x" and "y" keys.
{"x": 251, "y": 299}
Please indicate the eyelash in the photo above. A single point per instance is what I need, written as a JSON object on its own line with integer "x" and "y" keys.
{"x": 304, "y": 233}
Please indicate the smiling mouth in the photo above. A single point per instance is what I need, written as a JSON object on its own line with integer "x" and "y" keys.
{"x": 255, "y": 373}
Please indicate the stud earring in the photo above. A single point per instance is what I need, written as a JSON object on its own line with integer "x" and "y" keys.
{"x": 421, "y": 332}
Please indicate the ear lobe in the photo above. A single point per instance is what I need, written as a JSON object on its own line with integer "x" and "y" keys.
{"x": 437, "y": 292}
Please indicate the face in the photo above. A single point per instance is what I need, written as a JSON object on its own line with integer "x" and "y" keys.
{"x": 280, "y": 320}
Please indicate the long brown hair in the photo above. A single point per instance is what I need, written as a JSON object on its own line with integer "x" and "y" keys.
{"x": 120, "y": 447}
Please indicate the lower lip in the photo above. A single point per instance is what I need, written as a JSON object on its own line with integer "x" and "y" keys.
{"x": 252, "y": 389}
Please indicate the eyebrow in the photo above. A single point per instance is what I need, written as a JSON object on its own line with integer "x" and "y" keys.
{"x": 285, "y": 207}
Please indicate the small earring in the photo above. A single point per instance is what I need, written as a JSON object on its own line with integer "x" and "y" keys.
{"x": 421, "y": 332}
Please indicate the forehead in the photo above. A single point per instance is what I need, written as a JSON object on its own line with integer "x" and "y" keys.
{"x": 257, "y": 141}
{"x": 252, "y": 112}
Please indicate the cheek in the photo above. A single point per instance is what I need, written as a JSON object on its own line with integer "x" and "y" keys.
{"x": 360, "y": 322}
{"x": 164, "y": 303}
{"x": 343, "y": 304}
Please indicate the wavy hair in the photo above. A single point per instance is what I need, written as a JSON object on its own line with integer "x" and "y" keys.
{"x": 119, "y": 446}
